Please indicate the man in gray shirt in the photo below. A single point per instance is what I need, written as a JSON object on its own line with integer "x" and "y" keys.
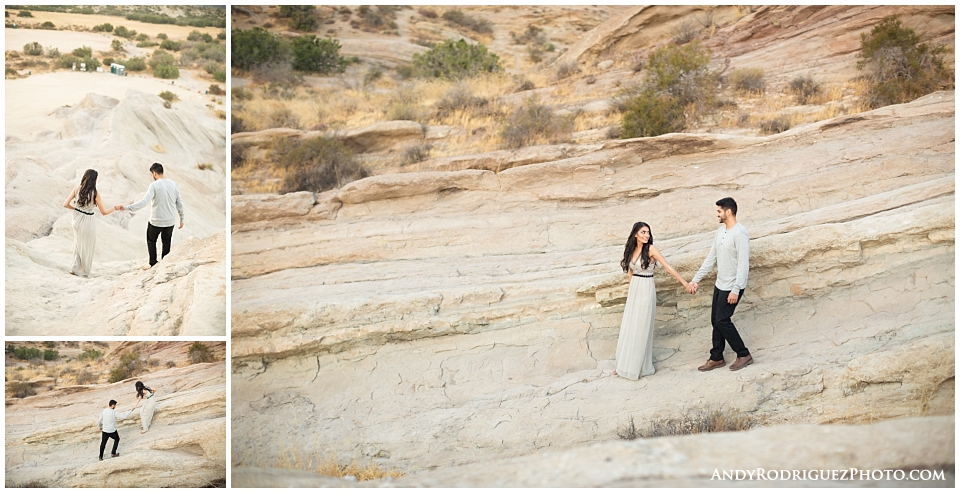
{"x": 731, "y": 254}
{"x": 164, "y": 198}
{"x": 107, "y": 422}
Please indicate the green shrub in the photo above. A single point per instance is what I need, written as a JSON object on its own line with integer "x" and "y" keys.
{"x": 27, "y": 353}
{"x": 160, "y": 57}
{"x": 47, "y": 25}
{"x": 33, "y": 49}
{"x": 200, "y": 353}
{"x": 748, "y": 80}
{"x": 682, "y": 72}
{"x": 166, "y": 72}
{"x": 311, "y": 54}
{"x": 220, "y": 76}
{"x": 51, "y": 355}
{"x": 372, "y": 74}
{"x": 134, "y": 64}
{"x": 123, "y": 32}
{"x": 302, "y": 17}
{"x": 171, "y": 45}
{"x": 90, "y": 354}
{"x": 168, "y": 96}
{"x": 142, "y": 37}
{"x": 49, "y": 344}
{"x": 650, "y": 114}
{"x": 475, "y": 24}
{"x": 216, "y": 90}
{"x": 20, "y": 390}
{"x": 804, "y": 88}
{"x": 534, "y": 122}
{"x": 83, "y": 52}
{"x": 317, "y": 164}
{"x": 108, "y": 61}
{"x": 161, "y": 36}
{"x": 195, "y": 35}
{"x": 901, "y": 68}
{"x": 253, "y": 47}
{"x": 130, "y": 366}
{"x": 25, "y": 13}
{"x": 53, "y": 52}
{"x": 455, "y": 60}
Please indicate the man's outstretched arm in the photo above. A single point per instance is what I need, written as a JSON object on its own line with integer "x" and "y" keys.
{"x": 140, "y": 204}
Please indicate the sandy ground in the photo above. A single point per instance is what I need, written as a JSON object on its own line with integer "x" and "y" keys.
{"x": 60, "y": 20}
{"x": 65, "y": 41}
{"x": 27, "y": 114}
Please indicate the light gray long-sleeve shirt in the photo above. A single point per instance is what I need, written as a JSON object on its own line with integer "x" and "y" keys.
{"x": 731, "y": 254}
{"x": 166, "y": 203}
{"x": 108, "y": 419}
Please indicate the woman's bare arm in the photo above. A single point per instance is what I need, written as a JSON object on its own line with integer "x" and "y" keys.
{"x": 73, "y": 193}
{"x": 655, "y": 253}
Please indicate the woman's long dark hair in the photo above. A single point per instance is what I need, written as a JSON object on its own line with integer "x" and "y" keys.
{"x": 140, "y": 387}
{"x": 88, "y": 188}
{"x": 632, "y": 245}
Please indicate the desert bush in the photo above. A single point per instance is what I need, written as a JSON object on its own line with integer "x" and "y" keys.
{"x": 147, "y": 44}
{"x": 134, "y": 64}
{"x": 372, "y": 74}
{"x": 160, "y": 57}
{"x": 315, "y": 55}
{"x": 49, "y": 344}
{"x": 123, "y": 32}
{"x": 130, "y": 366}
{"x": 51, "y": 355}
{"x": 533, "y": 122}
{"x": 901, "y": 68}
{"x": 53, "y": 52}
{"x": 405, "y": 70}
{"x": 567, "y": 69}
{"x": 196, "y": 35}
{"x": 200, "y": 353}
{"x": 455, "y": 60}
{"x": 216, "y": 90}
{"x": 279, "y": 73}
{"x": 20, "y": 390}
{"x": 90, "y": 354}
{"x": 403, "y": 110}
{"x": 25, "y": 13}
{"x": 108, "y": 61}
{"x": 85, "y": 377}
{"x": 166, "y": 72}
{"x": 253, "y": 47}
{"x": 171, "y": 364}
{"x": 241, "y": 94}
{"x": 47, "y": 25}
{"x": 459, "y": 98}
{"x": 427, "y": 13}
{"x": 804, "y": 88}
{"x": 524, "y": 84}
{"x": 169, "y": 96}
{"x": 116, "y": 45}
{"x": 302, "y": 17}
{"x": 83, "y": 52}
{"x": 775, "y": 125}
{"x": 161, "y": 36}
{"x": 748, "y": 80}
{"x": 475, "y": 24}
{"x": 283, "y": 118}
{"x": 154, "y": 362}
{"x": 684, "y": 33}
{"x": 701, "y": 421}
{"x": 27, "y": 353}
{"x": 682, "y": 72}
{"x": 169, "y": 44}
{"x": 417, "y": 153}
{"x": 650, "y": 114}
{"x": 628, "y": 430}
{"x": 316, "y": 164}
{"x": 143, "y": 37}
{"x": 33, "y": 49}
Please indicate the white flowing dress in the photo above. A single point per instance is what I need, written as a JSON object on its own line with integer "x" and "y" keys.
{"x": 635, "y": 344}
{"x": 146, "y": 412}
{"x": 84, "y": 239}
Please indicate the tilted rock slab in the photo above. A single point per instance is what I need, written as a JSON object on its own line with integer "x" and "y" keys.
{"x": 463, "y": 325}
{"x": 52, "y": 438}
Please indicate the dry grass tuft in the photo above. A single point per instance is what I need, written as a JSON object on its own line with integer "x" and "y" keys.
{"x": 700, "y": 421}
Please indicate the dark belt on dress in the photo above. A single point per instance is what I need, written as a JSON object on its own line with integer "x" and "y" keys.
{"x": 84, "y": 212}
{"x": 641, "y": 275}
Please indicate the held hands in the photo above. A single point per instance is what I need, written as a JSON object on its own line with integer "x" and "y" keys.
{"x": 692, "y": 287}
{"x": 118, "y": 207}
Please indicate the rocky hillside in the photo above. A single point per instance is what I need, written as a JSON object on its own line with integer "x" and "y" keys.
{"x": 120, "y": 137}
{"x": 466, "y": 308}
{"x": 52, "y": 438}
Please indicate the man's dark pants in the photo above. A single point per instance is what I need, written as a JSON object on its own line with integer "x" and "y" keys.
{"x": 103, "y": 441}
{"x": 165, "y": 234}
{"x": 723, "y": 328}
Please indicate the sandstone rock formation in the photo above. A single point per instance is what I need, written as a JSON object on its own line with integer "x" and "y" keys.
{"x": 920, "y": 444}
{"x": 119, "y": 135}
{"x": 52, "y": 438}
{"x": 471, "y": 323}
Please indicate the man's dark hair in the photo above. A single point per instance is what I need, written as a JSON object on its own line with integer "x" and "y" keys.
{"x": 158, "y": 169}
{"x": 729, "y": 204}
{"x": 113, "y": 402}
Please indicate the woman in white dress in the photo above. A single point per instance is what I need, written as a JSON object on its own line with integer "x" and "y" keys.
{"x": 635, "y": 344}
{"x": 84, "y": 225}
{"x": 146, "y": 394}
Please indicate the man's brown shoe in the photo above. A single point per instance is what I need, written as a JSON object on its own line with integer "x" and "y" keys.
{"x": 711, "y": 364}
{"x": 741, "y": 362}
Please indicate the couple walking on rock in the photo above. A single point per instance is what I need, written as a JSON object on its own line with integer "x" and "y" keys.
{"x": 730, "y": 253}
{"x": 107, "y": 422}
{"x": 163, "y": 196}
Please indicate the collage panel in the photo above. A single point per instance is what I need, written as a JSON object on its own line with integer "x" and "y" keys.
{"x": 115, "y": 166}
{"x": 115, "y": 414}
{"x": 508, "y": 246}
